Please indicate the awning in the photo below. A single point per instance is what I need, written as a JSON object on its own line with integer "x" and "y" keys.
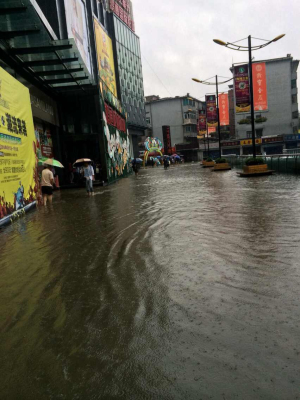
{"x": 25, "y": 39}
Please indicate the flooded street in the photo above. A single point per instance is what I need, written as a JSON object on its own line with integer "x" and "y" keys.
{"x": 180, "y": 284}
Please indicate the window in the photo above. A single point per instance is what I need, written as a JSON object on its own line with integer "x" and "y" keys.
{"x": 190, "y": 115}
{"x": 249, "y": 134}
{"x": 259, "y": 133}
{"x": 294, "y": 83}
{"x": 189, "y": 102}
{"x": 295, "y": 114}
{"x": 148, "y": 121}
{"x": 294, "y": 99}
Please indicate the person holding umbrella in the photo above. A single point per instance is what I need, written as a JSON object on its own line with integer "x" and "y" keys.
{"x": 89, "y": 174}
{"x": 47, "y": 184}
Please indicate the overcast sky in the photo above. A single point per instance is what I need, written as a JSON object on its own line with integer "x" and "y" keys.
{"x": 176, "y": 38}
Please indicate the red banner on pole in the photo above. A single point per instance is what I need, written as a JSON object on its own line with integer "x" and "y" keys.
{"x": 224, "y": 109}
{"x": 202, "y": 122}
{"x": 242, "y": 88}
{"x": 167, "y": 140}
{"x": 260, "y": 86}
{"x": 211, "y": 110}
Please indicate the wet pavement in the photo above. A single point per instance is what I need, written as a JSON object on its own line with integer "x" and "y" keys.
{"x": 180, "y": 284}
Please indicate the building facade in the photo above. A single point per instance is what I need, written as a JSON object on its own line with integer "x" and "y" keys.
{"x": 181, "y": 114}
{"x": 275, "y": 126}
{"x": 69, "y": 53}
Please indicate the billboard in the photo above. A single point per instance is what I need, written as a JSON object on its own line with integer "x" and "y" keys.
{"x": 224, "y": 109}
{"x": 122, "y": 9}
{"x": 242, "y": 88}
{"x": 105, "y": 57}
{"x": 18, "y": 160}
{"x": 211, "y": 110}
{"x": 167, "y": 140}
{"x": 260, "y": 87}
{"x": 77, "y": 28}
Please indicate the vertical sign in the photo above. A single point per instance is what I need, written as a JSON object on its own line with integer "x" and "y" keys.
{"x": 167, "y": 140}
{"x": 242, "y": 88}
{"x": 202, "y": 123}
{"x": 260, "y": 87}
{"x": 77, "y": 29}
{"x": 18, "y": 153}
{"x": 211, "y": 110}
{"x": 105, "y": 58}
{"x": 224, "y": 109}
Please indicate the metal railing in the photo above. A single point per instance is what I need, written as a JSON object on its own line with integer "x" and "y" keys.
{"x": 285, "y": 163}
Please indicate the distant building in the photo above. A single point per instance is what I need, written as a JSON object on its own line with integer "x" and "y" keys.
{"x": 181, "y": 114}
{"x": 281, "y": 119}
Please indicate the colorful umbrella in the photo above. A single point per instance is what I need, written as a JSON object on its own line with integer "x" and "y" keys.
{"x": 52, "y": 162}
{"x": 82, "y": 161}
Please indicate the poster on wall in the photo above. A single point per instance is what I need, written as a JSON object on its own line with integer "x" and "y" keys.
{"x": 242, "y": 88}
{"x": 211, "y": 110}
{"x": 105, "y": 57}
{"x": 77, "y": 28}
{"x": 18, "y": 152}
{"x": 260, "y": 87}
{"x": 224, "y": 109}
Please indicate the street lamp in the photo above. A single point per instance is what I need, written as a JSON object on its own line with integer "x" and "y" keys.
{"x": 249, "y": 48}
{"x": 217, "y": 96}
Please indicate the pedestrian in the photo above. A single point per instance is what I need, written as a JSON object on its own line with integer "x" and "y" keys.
{"x": 89, "y": 174}
{"x": 134, "y": 167}
{"x": 166, "y": 163}
{"x": 47, "y": 182}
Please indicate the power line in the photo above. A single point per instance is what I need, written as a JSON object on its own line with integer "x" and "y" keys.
{"x": 157, "y": 75}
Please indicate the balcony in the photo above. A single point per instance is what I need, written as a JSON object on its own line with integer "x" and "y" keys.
{"x": 190, "y": 121}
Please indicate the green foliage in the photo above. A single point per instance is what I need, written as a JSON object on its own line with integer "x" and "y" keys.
{"x": 244, "y": 122}
{"x": 209, "y": 159}
{"x": 221, "y": 161}
{"x": 260, "y": 120}
{"x": 255, "y": 161}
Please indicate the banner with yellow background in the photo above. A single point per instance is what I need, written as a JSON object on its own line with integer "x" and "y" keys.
{"x": 18, "y": 161}
{"x": 105, "y": 57}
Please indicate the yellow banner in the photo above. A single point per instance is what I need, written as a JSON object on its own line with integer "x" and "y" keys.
{"x": 105, "y": 58}
{"x": 18, "y": 161}
{"x": 248, "y": 142}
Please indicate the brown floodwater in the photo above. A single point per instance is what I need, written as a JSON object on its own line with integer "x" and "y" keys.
{"x": 180, "y": 284}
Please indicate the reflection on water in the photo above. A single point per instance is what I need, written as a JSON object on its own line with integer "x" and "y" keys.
{"x": 180, "y": 284}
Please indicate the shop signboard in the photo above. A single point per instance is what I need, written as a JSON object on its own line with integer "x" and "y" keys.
{"x": 248, "y": 142}
{"x": 105, "y": 57}
{"x": 224, "y": 109}
{"x": 233, "y": 143}
{"x": 77, "y": 28}
{"x": 260, "y": 87}
{"x": 211, "y": 110}
{"x": 275, "y": 139}
{"x": 242, "y": 88}
{"x": 18, "y": 163}
{"x": 122, "y": 9}
{"x": 167, "y": 140}
{"x": 211, "y": 129}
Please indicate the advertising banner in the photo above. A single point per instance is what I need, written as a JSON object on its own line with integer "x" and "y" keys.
{"x": 105, "y": 58}
{"x": 18, "y": 158}
{"x": 167, "y": 140}
{"x": 211, "y": 110}
{"x": 211, "y": 129}
{"x": 224, "y": 109}
{"x": 202, "y": 122}
{"x": 260, "y": 87}
{"x": 242, "y": 88}
{"x": 77, "y": 28}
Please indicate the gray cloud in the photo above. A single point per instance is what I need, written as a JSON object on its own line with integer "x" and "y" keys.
{"x": 176, "y": 38}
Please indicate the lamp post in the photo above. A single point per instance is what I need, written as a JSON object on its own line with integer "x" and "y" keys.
{"x": 249, "y": 48}
{"x": 217, "y": 99}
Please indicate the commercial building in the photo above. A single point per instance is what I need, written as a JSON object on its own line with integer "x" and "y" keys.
{"x": 81, "y": 61}
{"x": 181, "y": 114}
